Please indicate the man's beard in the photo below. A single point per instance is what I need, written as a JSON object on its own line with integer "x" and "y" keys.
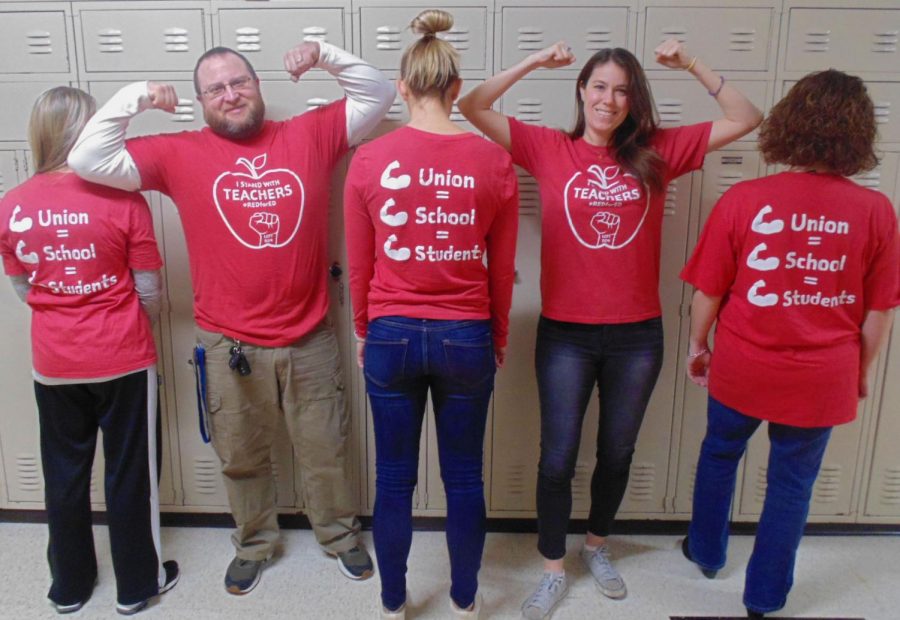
{"x": 239, "y": 130}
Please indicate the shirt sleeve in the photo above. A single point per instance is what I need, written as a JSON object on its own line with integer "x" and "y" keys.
{"x": 11, "y": 264}
{"x": 712, "y": 267}
{"x": 501, "y": 251}
{"x": 881, "y": 284}
{"x": 143, "y": 253}
{"x": 531, "y": 144}
{"x": 360, "y": 234}
{"x": 151, "y": 155}
{"x": 682, "y": 148}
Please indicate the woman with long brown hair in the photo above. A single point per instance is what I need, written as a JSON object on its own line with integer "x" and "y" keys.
{"x": 602, "y": 191}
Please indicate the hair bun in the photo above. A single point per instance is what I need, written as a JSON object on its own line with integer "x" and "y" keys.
{"x": 430, "y": 22}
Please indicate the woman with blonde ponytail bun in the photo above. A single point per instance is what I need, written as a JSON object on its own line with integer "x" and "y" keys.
{"x": 424, "y": 207}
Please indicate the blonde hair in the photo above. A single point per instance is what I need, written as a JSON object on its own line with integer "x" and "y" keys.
{"x": 430, "y": 66}
{"x": 57, "y": 118}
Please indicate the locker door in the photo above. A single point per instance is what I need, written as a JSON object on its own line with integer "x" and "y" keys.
{"x": 398, "y": 114}
{"x": 188, "y": 113}
{"x": 16, "y": 101}
{"x": 529, "y": 29}
{"x": 142, "y": 39}
{"x": 884, "y": 177}
{"x": 265, "y": 34}
{"x": 9, "y": 170}
{"x": 847, "y": 39}
{"x": 285, "y": 99}
{"x": 722, "y": 170}
{"x": 740, "y": 40}
{"x": 384, "y": 34}
{"x": 883, "y": 496}
{"x": 682, "y": 102}
{"x": 33, "y": 42}
{"x": 544, "y": 102}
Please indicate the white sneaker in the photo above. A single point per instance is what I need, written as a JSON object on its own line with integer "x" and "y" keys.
{"x": 550, "y": 591}
{"x": 397, "y": 614}
{"x": 607, "y": 578}
{"x": 471, "y": 613}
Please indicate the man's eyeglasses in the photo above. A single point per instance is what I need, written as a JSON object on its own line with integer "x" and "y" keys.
{"x": 218, "y": 90}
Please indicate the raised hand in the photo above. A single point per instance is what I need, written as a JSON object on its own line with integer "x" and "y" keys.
{"x": 301, "y": 58}
{"x": 671, "y": 53}
{"x": 162, "y": 96}
{"x": 557, "y": 55}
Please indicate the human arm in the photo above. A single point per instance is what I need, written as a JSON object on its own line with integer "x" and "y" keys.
{"x": 369, "y": 92}
{"x": 501, "y": 254}
{"x": 100, "y": 155}
{"x": 875, "y": 328}
{"x": 476, "y": 105}
{"x": 21, "y": 285}
{"x": 148, "y": 286}
{"x": 740, "y": 116}
{"x": 360, "y": 235}
{"x": 704, "y": 309}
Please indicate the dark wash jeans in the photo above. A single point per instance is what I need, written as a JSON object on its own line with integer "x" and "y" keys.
{"x": 624, "y": 361}
{"x": 794, "y": 460}
{"x": 404, "y": 358}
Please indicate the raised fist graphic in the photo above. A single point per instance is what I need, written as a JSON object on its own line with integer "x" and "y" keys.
{"x": 607, "y": 226}
{"x": 266, "y": 225}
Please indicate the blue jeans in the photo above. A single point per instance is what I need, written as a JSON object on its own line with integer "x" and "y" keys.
{"x": 404, "y": 358}
{"x": 624, "y": 361}
{"x": 794, "y": 460}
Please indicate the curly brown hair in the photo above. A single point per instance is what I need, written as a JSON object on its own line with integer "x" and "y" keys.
{"x": 826, "y": 122}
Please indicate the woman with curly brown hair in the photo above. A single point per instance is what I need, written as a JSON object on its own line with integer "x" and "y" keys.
{"x": 799, "y": 270}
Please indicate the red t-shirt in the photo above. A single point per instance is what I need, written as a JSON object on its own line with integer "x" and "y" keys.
{"x": 799, "y": 259}
{"x": 423, "y": 213}
{"x": 601, "y": 229}
{"x": 78, "y": 243}
{"x": 255, "y": 218}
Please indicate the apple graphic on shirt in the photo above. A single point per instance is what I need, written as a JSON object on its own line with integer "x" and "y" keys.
{"x": 262, "y": 208}
{"x": 605, "y": 206}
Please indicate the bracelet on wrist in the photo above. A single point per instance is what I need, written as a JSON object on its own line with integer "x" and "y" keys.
{"x": 691, "y": 64}
{"x": 715, "y": 93}
{"x": 696, "y": 354}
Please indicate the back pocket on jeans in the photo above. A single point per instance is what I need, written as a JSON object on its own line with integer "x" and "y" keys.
{"x": 385, "y": 361}
{"x": 470, "y": 362}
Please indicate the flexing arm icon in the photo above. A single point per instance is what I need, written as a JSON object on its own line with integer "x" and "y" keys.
{"x": 266, "y": 225}
{"x": 606, "y": 225}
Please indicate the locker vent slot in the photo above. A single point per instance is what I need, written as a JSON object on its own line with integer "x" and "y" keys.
{"x": 315, "y": 33}
{"x": 886, "y": 42}
{"x": 890, "y": 487}
{"x": 642, "y": 482}
{"x": 28, "y": 473}
{"x": 742, "y": 40}
{"x": 176, "y": 40}
{"x": 184, "y": 111}
{"x": 395, "y": 113}
{"x": 248, "y": 39}
{"x": 871, "y": 179}
{"x": 2, "y": 184}
{"x": 530, "y": 38}
{"x": 529, "y": 110}
{"x": 828, "y": 485}
{"x": 598, "y": 38}
{"x": 387, "y": 38}
{"x": 669, "y": 110}
{"x": 39, "y": 42}
{"x": 732, "y": 160}
{"x": 529, "y": 196}
{"x": 671, "y": 199}
{"x": 882, "y": 111}
{"x": 316, "y": 102}
{"x": 459, "y": 38}
{"x": 110, "y": 41}
{"x": 817, "y": 41}
{"x": 206, "y": 476}
{"x": 581, "y": 483}
{"x": 456, "y": 116}
{"x": 759, "y": 495}
{"x": 726, "y": 180}
{"x": 673, "y": 32}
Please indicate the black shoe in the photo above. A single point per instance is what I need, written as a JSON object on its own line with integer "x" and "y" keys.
{"x": 242, "y": 575}
{"x": 172, "y": 574}
{"x": 755, "y": 615}
{"x": 709, "y": 573}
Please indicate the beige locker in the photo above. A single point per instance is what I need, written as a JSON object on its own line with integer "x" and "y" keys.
{"x": 884, "y": 177}
{"x": 144, "y": 37}
{"x": 883, "y": 496}
{"x": 384, "y": 34}
{"x": 16, "y": 101}
{"x": 398, "y": 114}
{"x": 285, "y": 99}
{"x": 542, "y": 102}
{"x": 740, "y": 41}
{"x": 188, "y": 113}
{"x": 526, "y": 30}
{"x": 33, "y": 38}
{"x": 682, "y": 102}
{"x": 848, "y": 39}
{"x": 263, "y": 35}
{"x": 11, "y": 163}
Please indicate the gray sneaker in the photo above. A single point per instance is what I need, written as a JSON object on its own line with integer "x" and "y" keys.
{"x": 355, "y": 563}
{"x": 550, "y": 591}
{"x": 607, "y": 578}
{"x": 242, "y": 575}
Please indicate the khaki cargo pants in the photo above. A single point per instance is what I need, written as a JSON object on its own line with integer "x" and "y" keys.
{"x": 304, "y": 382}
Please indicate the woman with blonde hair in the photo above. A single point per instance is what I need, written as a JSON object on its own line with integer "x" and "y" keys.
{"x": 84, "y": 257}
{"x": 799, "y": 271}
{"x": 431, "y": 220}
{"x": 603, "y": 189}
